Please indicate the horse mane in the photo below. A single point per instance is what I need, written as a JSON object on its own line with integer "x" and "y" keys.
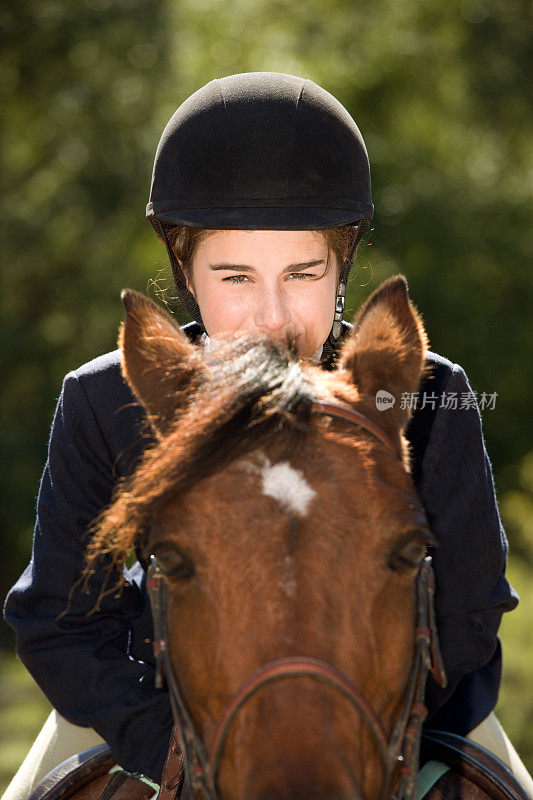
{"x": 256, "y": 389}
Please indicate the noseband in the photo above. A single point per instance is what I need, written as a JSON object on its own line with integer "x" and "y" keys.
{"x": 402, "y": 750}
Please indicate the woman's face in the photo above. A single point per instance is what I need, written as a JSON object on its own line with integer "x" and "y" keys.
{"x": 266, "y": 282}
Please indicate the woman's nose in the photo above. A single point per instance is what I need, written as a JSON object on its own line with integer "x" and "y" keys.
{"x": 273, "y": 313}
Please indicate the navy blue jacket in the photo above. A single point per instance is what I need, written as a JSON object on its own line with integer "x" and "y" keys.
{"x": 97, "y": 668}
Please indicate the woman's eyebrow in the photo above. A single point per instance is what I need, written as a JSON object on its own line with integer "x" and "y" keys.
{"x": 248, "y": 268}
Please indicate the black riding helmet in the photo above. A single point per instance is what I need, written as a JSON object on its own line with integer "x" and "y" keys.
{"x": 261, "y": 150}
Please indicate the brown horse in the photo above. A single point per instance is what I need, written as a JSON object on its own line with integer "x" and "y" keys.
{"x": 288, "y": 543}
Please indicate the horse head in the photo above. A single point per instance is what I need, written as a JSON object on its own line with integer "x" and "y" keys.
{"x": 281, "y": 534}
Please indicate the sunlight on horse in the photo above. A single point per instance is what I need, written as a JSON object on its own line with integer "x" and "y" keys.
{"x": 280, "y": 533}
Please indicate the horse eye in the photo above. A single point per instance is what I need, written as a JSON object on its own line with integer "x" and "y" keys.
{"x": 410, "y": 551}
{"x": 174, "y": 563}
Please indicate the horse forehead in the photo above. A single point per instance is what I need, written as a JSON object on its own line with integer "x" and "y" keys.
{"x": 286, "y": 484}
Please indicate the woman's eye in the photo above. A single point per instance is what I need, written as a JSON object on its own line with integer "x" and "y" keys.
{"x": 299, "y": 276}
{"x": 235, "y": 279}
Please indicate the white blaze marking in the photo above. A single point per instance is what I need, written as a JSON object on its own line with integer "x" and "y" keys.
{"x": 288, "y": 486}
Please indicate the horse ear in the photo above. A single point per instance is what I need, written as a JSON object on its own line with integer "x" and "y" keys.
{"x": 385, "y": 353}
{"x": 162, "y": 367}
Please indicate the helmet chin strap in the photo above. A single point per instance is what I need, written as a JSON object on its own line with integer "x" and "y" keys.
{"x": 339, "y": 311}
{"x": 186, "y": 299}
{"x": 336, "y": 330}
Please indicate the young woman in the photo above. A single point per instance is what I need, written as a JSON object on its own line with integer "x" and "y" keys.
{"x": 261, "y": 194}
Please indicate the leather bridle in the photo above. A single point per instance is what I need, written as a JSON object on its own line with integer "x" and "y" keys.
{"x": 401, "y": 750}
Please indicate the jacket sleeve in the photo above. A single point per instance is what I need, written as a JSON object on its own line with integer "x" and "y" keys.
{"x": 80, "y": 658}
{"x": 456, "y": 487}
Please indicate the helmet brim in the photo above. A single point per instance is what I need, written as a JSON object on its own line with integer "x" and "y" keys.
{"x": 256, "y": 218}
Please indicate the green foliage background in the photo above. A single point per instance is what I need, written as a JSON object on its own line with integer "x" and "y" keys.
{"x": 441, "y": 92}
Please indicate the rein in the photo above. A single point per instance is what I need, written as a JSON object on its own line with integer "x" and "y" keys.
{"x": 201, "y": 768}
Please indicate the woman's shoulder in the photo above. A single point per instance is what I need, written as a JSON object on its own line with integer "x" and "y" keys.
{"x": 103, "y": 373}
{"x": 96, "y": 392}
{"x": 436, "y": 372}
{"x": 440, "y": 360}
{"x": 436, "y": 365}
{"x": 425, "y": 403}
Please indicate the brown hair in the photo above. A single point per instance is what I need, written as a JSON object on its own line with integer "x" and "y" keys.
{"x": 185, "y": 241}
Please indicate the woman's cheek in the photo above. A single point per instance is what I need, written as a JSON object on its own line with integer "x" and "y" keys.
{"x": 317, "y": 306}
{"x": 224, "y": 309}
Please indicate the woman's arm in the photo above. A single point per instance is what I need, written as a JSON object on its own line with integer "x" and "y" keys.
{"x": 456, "y": 487}
{"x": 81, "y": 658}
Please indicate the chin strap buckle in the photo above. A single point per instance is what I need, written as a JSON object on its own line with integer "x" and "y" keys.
{"x": 339, "y": 311}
